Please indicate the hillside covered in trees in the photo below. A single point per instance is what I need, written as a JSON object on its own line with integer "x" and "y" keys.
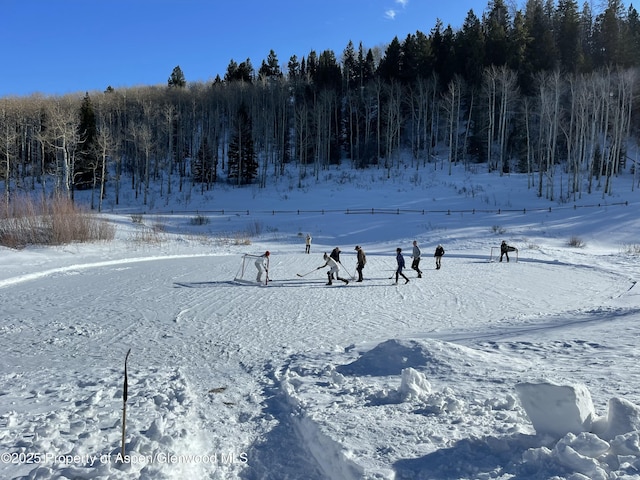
{"x": 540, "y": 90}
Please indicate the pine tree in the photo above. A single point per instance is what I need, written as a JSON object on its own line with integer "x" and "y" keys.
{"x": 350, "y": 67}
{"x": 204, "y": 166}
{"x": 470, "y": 46}
{"x": 239, "y": 72}
{"x": 86, "y": 164}
{"x": 243, "y": 166}
{"x": 390, "y": 65}
{"x": 270, "y": 68}
{"x": 567, "y": 30}
{"x": 177, "y": 80}
{"x": 496, "y": 26}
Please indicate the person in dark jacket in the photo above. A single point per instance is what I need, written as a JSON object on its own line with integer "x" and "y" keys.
{"x": 362, "y": 260}
{"x": 439, "y": 253}
{"x": 415, "y": 264}
{"x": 335, "y": 255}
{"x": 400, "y": 260}
{"x": 504, "y": 250}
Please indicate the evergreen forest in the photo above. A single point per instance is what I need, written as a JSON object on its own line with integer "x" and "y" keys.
{"x": 545, "y": 90}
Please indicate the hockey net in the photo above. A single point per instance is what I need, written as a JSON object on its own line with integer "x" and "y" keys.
{"x": 495, "y": 254}
{"x": 248, "y": 270}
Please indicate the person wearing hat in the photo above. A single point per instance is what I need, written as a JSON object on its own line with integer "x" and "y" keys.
{"x": 362, "y": 259}
{"x": 262, "y": 264}
{"x": 334, "y": 268}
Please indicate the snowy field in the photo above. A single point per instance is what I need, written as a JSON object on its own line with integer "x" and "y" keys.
{"x": 299, "y": 380}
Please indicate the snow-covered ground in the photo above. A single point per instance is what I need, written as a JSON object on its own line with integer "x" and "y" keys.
{"x": 299, "y": 380}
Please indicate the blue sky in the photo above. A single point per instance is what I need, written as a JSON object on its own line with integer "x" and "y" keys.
{"x": 55, "y": 47}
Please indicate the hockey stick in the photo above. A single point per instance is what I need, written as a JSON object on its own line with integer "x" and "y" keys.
{"x": 353, "y": 277}
{"x": 308, "y": 273}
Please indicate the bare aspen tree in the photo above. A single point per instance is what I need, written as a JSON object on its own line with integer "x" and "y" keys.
{"x": 106, "y": 146}
{"x": 592, "y": 96}
{"x": 169, "y": 113}
{"x": 378, "y": 86}
{"x": 393, "y": 121}
{"x": 144, "y": 141}
{"x": 353, "y": 126}
{"x": 490, "y": 86}
{"x": 452, "y": 99}
{"x": 574, "y": 135}
{"x": 412, "y": 101}
{"x": 8, "y": 143}
{"x": 527, "y": 123}
{"x": 33, "y": 158}
{"x": 507, "y": 87}
{"x": 370, "y": 100}
{"x": 620, "y": 97}
{"x": 265, "y": 125}
{"x": 63, "y": 137}
{"x": 301, "y": 127}
{"x": 434, "y": 124}
{"x": 426, "y": 92}
{"x": 550, "y": 91}
{"x": 282, "y": 123}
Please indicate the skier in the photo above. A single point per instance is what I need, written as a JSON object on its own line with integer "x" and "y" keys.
{"x": 334, "y": 268}
{"x": 362, "y": 260}
{"x": 439, "y": 253}
{"x": 400, "y": 260}
{"x": 504, "y": 250}
{"x": 335, "y": 254}
{"x": 307, "y": 248}
{"x": 416, "y": 258}
{"x": 262, "y": 264}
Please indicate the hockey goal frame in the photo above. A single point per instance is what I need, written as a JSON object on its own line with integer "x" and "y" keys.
{"x": 246, "y": 272}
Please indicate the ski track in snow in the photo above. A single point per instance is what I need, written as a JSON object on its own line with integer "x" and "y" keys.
{"x": 257, "y": 355}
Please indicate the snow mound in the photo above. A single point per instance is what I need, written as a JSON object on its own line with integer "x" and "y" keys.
{"x": 390, "y": 358}
{"x": 557, "y": 409}
{"x": 414, "y": 385}
{"x": 622, "y": 417}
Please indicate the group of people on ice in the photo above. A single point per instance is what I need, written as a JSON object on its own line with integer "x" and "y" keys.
{"x": 332, "y": 261}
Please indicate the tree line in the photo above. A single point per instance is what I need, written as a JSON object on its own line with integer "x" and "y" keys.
{"x": 546, "y": 90}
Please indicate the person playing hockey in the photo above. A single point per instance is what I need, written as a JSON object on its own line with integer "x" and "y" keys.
{"x": 362, "y": 260}
{"x": 415, "y": 264}
{"x": 262, "y": 264}
{"x": 334, "y": 268}
{"x": 400, "y": 260}
{"x": 504, "y": 250}
{"x": 335, "y": 254}
{"x": 439, "y": 253}
{"x": 307, "y": 246}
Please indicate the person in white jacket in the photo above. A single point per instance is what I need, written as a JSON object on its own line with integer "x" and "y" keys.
{"x": 307, "y": 244}
{"x": 262, "y": 264}
{"x": 334, "y": 268}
